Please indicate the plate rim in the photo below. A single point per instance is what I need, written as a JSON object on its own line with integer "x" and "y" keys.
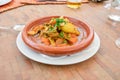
{"x": 6, "y": 2}
{"x": 94, "y": 52}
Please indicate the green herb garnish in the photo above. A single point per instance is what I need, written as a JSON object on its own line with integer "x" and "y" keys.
{"x": 65, "y": 41}
{"x": 51, "y": 28}
{"x": 59, "y": 21}
{"x": 61, "y": 34}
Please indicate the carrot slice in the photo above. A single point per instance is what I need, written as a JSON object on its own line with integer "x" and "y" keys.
{"x": 37, "y": 28}
{"x": 45, "y": 41}
{"x": 31, "y": 33}
{"x": 73, "y": 35}
{"x": 59, "y": 41}
{"x": 53, "y": 22}
{"x": 73, "y": 40}
{"x": 62, "y": 45}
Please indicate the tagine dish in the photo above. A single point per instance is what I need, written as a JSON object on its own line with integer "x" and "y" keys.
{"x": 57, "y": 35}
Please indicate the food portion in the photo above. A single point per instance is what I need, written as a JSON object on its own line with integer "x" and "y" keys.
{"x": 57, "y": 32}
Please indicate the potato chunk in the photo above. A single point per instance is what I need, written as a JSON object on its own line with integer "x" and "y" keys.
{"x": 70, "y": 28}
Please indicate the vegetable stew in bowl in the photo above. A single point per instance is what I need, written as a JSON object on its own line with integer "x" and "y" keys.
{"x": 57, "y": 35}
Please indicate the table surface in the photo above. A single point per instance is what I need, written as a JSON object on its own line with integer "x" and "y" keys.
{"x": 105, "y": 65}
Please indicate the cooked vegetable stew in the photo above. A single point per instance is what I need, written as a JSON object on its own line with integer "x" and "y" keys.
{"x": 57, "y": 32}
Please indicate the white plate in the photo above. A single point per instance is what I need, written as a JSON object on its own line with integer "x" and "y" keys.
{"x": 3, "y": 2}
{"x": 65, "y": 60}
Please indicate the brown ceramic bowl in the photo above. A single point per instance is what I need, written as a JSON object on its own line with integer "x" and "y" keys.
{"x": 85, "y": 38}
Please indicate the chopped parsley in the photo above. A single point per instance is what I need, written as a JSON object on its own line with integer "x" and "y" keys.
{"x": 61, "y": 34}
